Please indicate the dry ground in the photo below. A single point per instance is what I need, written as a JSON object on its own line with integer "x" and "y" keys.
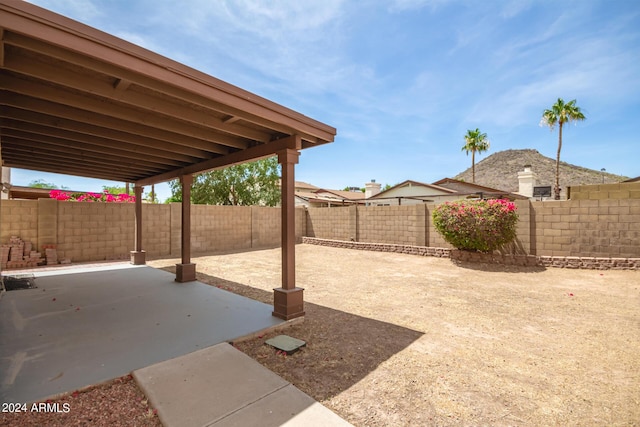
{"x": 405, "y": 340}
{"x": 399, "y": 340}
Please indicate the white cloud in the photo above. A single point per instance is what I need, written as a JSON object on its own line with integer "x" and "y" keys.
{"x": 286, "y": 41}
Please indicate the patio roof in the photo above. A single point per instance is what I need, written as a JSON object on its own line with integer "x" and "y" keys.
{"x": 78, "y": 101}
{"x": 75, "y": 100}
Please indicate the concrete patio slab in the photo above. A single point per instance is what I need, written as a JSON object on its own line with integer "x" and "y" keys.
{"x": 85, "y": 326}
{"x": 221, "y": 386}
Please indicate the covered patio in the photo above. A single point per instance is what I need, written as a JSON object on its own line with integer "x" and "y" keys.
{"x": 75, "y": 100}
{"x": 86, "y": 325}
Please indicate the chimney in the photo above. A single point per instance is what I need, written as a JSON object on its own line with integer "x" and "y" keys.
{"x": 371, "y": 189}
{"x": 526, "y": 181}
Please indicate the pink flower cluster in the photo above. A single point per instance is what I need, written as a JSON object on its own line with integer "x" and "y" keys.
{"x": 92, "y": 197}
{"x": 478, "y": 225}
{"x": 506, "y": 205}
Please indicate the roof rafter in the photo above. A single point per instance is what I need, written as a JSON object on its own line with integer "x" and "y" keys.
{"x": 158, "y": 137}
{"x": 79, "y": 131}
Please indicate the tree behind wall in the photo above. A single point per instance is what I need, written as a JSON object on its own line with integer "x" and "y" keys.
{"x": 247, "y": 184}
{"x": 475, "y": 142}
{"x": 560, "y": 113}
{"x": 40, "y": 183}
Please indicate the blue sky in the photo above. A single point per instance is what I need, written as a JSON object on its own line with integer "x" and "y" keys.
{"x": 403, "y": 80}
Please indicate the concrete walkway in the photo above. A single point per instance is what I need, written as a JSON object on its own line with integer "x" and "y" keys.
{"x": 221, "y": 386}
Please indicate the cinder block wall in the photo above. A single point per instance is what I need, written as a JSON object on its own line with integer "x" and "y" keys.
{"x": 618, "y": 191}
{"x": 219, "y": 228}
{"x": 331, "y": 223}
{"x": 587, "y": 227}
{"x": 19, "y": 218}
{"x": 156, "y": 230}
{"x": 266, "y": 226}
{"x": 403, "y": 225}
{"x": 90, "y": 231}
{"x": 301, "y": 224}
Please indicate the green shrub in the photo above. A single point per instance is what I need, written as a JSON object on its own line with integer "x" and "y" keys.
{"x": 476, "y": 225}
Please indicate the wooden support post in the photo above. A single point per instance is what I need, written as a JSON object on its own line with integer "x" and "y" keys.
{"x": 186, "y": 271}
{"x": 288, "y": 302}
{"x": 138, "y": 256}
{"x": 1, "y": 187}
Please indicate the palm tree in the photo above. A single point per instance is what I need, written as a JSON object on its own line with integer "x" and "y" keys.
{"x": 475, "y": 141}
{"x": 560, "y": 113}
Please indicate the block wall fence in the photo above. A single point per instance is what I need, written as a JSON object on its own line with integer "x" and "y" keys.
{"x": 105, "y": 231}
{"x": 573, "y": 228}
{"x": 601, "y": 221}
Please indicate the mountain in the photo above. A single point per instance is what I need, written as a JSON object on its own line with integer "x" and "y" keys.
{"x": 500, "y": 170}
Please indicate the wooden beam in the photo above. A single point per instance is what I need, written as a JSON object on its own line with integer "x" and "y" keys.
{"x": 61, "y": 152}
{"x": 24, "y": 120}
{"x": 67, "y": 161}
{"x": 231, "y": 119}
{"x": 288, "y": 301}
{"x": 122, "y": 112}
{"x": 1, "y": 47}
{"x": 132, "y": 98}
{"x": 186, "y": 271}
{"x": 138, "y": 254}
{"x": 145, "y": 135}
{"x": 120, "y": 86}
{"x": 81, "y": 171}
{"x": 93, "y": 144}
{"x": 250, "y": 154}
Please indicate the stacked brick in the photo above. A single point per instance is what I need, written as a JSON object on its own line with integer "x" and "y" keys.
{"x": 4, "y": 256}
{"x": 51, "y": 254}
{"x": 19, "y": 254}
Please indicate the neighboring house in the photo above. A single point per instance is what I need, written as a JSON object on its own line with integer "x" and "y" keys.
{"x": 30, "y": 193}
{"x": 305, "y": 187}
{"x": 409, "y": 193}
{"x": 470, "y": 190}
{"x": 322, "y": 198}
{"x": 413, "y": 192}
{"x": 310, "y": 196}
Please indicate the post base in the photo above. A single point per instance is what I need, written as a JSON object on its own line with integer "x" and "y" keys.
{"x": 138, "y": 257}
{"x": 185, "y": 272}
{"x": 288, "y": 303}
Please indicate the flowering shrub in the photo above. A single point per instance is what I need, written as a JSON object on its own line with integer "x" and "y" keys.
{"x": 92, "y": 197}
{"x": 477, "y": 225}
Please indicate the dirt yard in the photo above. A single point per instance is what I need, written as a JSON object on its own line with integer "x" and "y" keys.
{"x": 399, "y": 340}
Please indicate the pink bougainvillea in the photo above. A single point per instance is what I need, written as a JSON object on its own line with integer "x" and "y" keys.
{"x": 92, "y": 197}
{"x": 476, "y": 225}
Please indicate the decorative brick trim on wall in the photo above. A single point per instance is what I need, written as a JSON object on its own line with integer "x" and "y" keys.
{"x": 495, "y": 258}
{"x": 590, "y": 263}
{"x": 380, "y": 247}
